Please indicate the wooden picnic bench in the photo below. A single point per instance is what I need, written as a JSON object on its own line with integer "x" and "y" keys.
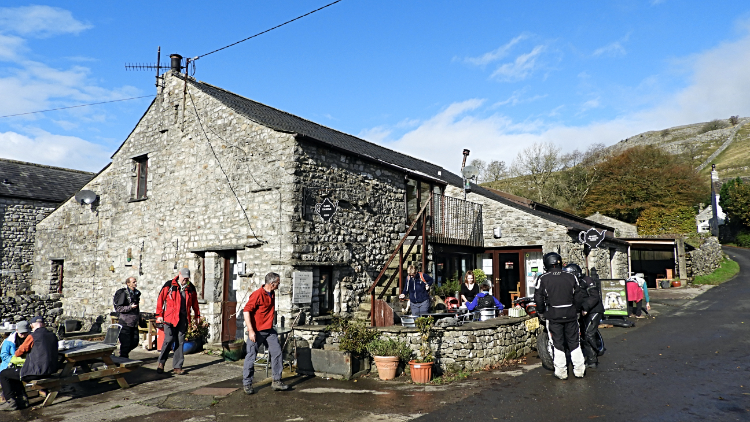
{"x": 85, "y": 357}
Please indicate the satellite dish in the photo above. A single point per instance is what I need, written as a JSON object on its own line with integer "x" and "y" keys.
{"x": 85, "y": 197}
{"x": 470, "y": 172}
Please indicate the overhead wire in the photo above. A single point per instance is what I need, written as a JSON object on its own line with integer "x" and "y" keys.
{"x": 76, "y": 106}
{"x": 213, "y": 151}
{"x": 267, "y": 30}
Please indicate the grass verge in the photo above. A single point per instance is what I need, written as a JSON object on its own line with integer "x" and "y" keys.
{"x": 726, "y": 270}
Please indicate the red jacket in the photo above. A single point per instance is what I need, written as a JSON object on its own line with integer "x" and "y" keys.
{"x": 261, "y": 305}
{"x": 168, "y": 302}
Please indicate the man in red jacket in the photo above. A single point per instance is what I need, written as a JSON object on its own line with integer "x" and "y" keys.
{"x": 176, "y": 298}
{"x": 258, "y": 313}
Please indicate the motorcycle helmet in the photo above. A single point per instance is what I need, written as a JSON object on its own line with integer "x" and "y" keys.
{"x": 573, "y": 269}
{"x": 552, "y": 259}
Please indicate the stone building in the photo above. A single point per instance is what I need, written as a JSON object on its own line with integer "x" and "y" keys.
{"x": 233, "y": 189}
{"x": 28, "y": 193}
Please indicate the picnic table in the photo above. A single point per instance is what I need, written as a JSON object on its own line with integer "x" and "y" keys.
{"x": 84, "y": 357}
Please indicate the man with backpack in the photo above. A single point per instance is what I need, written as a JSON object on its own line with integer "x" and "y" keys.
{"x": 484, "y": 300}
{"x": 592, "y": 310}
{"x": 417, "y": 285}
{"x": 558, "y": 298}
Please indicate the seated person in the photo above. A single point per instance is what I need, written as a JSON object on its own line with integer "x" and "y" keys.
{"x": 40, "y": 349}
{"x": 12, "y": 343}
{"x": 484, "y": 300}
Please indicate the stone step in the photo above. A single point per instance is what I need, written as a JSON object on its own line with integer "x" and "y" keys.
{"x": 362, "y": 315}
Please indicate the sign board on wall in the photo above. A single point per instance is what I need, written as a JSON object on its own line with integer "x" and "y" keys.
{"x": 591, "y": 237}
{"x": 302, "y": 286}
{"x": 614, "y": 297}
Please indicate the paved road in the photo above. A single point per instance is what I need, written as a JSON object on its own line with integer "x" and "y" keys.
{"x": 691, "y": 363}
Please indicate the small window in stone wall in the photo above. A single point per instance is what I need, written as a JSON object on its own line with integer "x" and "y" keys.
{"x": 56, "y": 276}
{"x": 140, "y": 177}
{"x": 199, "y": 276}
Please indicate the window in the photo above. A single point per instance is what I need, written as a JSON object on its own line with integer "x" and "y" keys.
{"x": 56, "y": 280}
{"x": 141, "y": 177}
{"x": 417, "y": 193}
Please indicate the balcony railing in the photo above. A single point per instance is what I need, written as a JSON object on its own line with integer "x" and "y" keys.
{"x": 454, "y": 221}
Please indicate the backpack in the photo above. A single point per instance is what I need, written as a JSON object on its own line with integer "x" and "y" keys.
{"x": 485, "y": 302}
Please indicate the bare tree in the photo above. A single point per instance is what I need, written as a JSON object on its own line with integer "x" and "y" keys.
{"x": 481, "y": 166}
{"x": 496, "y": 170}
{"x": 538, "y": 162}
{"x": 580, "y": 173}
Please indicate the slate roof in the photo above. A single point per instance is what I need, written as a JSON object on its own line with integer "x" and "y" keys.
{"x": 19, "y": 179}
{"x": 289, "y": 123}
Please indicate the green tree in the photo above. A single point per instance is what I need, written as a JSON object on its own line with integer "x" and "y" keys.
{"x": 643, "y": 177}
{"x": 676, "y": 220}
{"x": 734, "y": 199}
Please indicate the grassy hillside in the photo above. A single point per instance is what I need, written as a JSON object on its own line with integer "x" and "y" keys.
{"x": 735, "y": 160}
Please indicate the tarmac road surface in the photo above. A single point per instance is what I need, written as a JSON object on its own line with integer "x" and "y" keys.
{"x": 691, "y": 363}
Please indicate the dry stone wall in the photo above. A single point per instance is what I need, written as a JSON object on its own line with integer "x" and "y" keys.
{"x": 472, "y": 346}
{"x": 706, "y": 258}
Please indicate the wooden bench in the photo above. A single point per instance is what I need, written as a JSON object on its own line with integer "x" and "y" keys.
{"x": 149, "y": 331}
{"x": 116, "y": 367}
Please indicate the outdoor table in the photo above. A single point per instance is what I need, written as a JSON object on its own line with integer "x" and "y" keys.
{"x": 84, "y": 357}
{"x": 439, "y": 315}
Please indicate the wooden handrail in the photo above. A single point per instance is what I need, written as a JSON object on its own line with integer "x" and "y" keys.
{"x": 400, "y": 244}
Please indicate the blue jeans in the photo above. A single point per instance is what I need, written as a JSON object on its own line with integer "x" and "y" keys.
{"x": 420, "y": 308}
{"x": 270, "y": 339}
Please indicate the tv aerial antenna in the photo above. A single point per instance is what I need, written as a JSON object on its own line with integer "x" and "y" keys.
{"x": 143, "y": 66}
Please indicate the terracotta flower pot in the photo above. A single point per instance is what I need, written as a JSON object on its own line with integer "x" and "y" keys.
{"x": 676, "y": 283}
{"x": 387, "y": 366}
{"x": 421, "y": 372}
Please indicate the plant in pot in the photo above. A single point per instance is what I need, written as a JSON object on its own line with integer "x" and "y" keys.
{"x": 387, "y": 353}
{"x": 351, "y": 357}
{"x": 234, "y": 350}
{"x": 196, "y": 335}
{"x": 421, "y": 368}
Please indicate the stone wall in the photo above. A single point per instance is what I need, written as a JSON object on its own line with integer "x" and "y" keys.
{"x": 706, "y": 258}
{"x": 24, "y": 307}
{"x": 523, "y": 229}
{"x": 18, "y": 220}
{"x": 472, "y": 346}
{"x": 358, "y": 239}
{"x": 234, "y": 194}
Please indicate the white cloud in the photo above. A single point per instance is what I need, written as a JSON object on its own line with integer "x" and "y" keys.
{"x": 56, "y": 150}
{"x": 717, "y": 87}
{"x": 520, "y": 68}
{"x": 611, "y": 49}
{"x": 495, "y": 55}
{"x": 518, "y": 98}
{"x": 39, "y": 21}
{"x": 377, "y": 134}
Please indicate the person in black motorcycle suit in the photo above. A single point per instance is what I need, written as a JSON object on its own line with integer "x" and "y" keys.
{"x": 558, "y": 297}
{"x": 592, "y": 310}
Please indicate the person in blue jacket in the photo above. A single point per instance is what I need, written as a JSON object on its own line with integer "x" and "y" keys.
{"x": 484, "y": 300}
{"x": 417, "y": 286}
{"x": 11, "y": 343}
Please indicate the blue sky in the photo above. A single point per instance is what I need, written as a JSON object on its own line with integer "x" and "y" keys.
{"x": 427, "y": 78}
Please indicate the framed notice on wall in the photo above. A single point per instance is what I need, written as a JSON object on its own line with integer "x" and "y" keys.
{"x": 614, "y": 297}
{"x": 302, "y": 286}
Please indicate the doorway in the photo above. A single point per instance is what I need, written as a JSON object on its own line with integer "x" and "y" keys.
{"x": 229, "y": 298}
{"x": 510, "y": 270}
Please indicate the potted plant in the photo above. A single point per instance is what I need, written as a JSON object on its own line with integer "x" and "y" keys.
{"x": 196, "y": 335}
{"x": 350, "y": 358}
{"x": 234, "y": 350}
{"x": 421, "y": 368}
{"x": 387, "y": 353}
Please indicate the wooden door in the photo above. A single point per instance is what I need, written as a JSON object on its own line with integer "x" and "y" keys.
{"x": 229, "y": 299}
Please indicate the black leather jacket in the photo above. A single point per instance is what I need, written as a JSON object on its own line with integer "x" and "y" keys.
{"x": 558, "y": 296}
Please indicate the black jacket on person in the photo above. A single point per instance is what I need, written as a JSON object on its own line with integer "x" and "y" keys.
{"x": 122, "y": 300}
{"x": 558, "y": 296}
{"x": 592, "y": 301}
{"x": 42, "y": 359}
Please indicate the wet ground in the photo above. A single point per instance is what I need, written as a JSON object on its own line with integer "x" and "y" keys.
{"x": 688, "y": 362}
